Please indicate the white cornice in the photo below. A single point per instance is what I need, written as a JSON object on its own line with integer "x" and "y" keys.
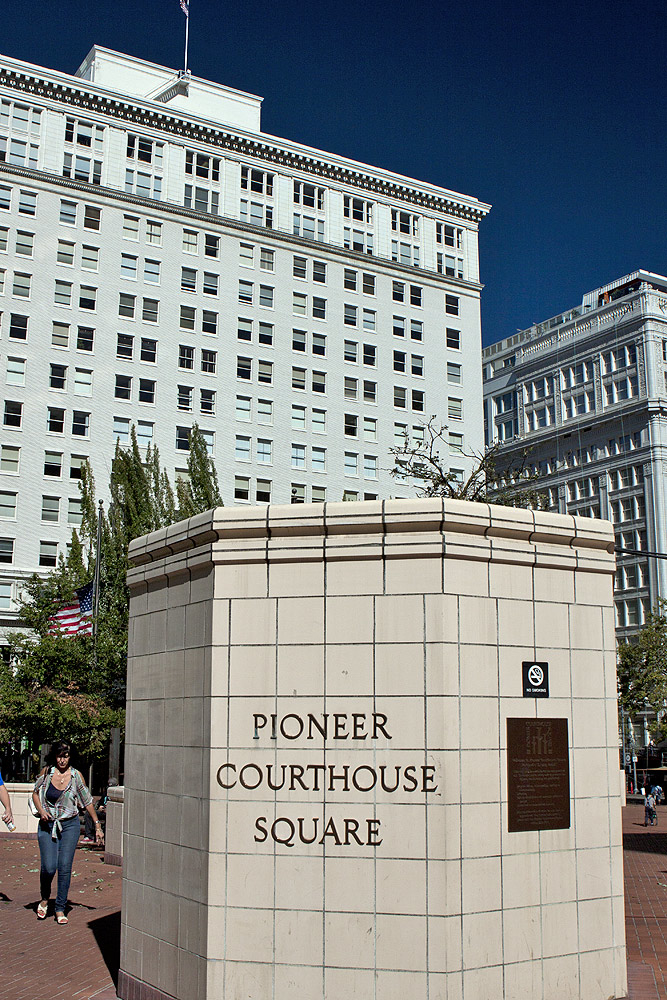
{"x": 223, "y": 222}
{"x": 82, "y": 95}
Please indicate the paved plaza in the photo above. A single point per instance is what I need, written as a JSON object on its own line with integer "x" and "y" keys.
{"x": 41, "y": 961}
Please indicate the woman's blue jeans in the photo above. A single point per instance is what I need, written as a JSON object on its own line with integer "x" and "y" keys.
{"x": 57, "y": 856}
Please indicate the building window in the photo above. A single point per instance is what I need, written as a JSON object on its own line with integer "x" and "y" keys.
{"x": 80, "y": 423}
{"x": 370, "y": 355}
{"x": 358, "y": 209}
{"x": 298, "y": 456}
{"x": 452, "y": 305}
{"x": 264, "y": 451}
{"x": 263, "y": 492}
{"x": 55, "y": 422}
{"x": 18, "y": 327}
{"x": 351, "y": 463}
{"x": 87, "y": 297}
{"x": 264, "y": 411}
{"x": 209, "y": 362}
{"x": 242, "y": 448}
{"x": 15, "y": 371}
{"x": 25, "y": 244}
{"x": 351, "y": 425}
{"x": 8, "y": 506}
{"x": 123, "y": 388}
{"x": 13, "y": 413}
{"x": 299, "y": 267}
{"x": 350, "y": 351}
{"x": 121, "y": 430}
{"x": 370, "y": 467}
{"x": 266, "y": 296}
{"x": 241, "y": 488}
{"x": 454, "y": 373}
{"x": 183, "y": 439}
{"x": 186, "y": 357}
{"x": 319, "y": 382}
{"x": 74, "y": 510}
{"x": 266, "y": 259}
{"x": 85, "y": 338}
{"x": 148, "y": 350}
{"x": 243, "y": 408}
{"x": 184, "y": 397}
{"x": 209, "y": 322}
{"x": 370, "y": 392}
{"x": 298, "y": 417}
{"x": 243, "y": 368}
{"x": 351, "y": 388}
{"x": 453, "y": 339}
{"x": 207, "y": 401}
{"x": 298, "y": 378}
{"x": 146, "y": 390}
{"x": 149, "y": 310}
{"x": 9, "y": 459}
{"x": 48, "y": 553}
{"x": 265, "y": 372}
{"x": 211, "y": 245}
{"x": 126, "y": 305}
{"x": 50, "y": 508}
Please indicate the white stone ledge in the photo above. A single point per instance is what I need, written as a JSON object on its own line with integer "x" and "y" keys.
{"x": 430, "y": 527}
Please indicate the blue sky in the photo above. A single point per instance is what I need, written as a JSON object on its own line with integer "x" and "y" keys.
{"x": 554, "y": 113}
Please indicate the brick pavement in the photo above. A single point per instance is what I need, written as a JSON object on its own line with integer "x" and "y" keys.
{"x": 42, "y": 961}
{"x": 87, "y": 966}
{"x": 645, "y": 875}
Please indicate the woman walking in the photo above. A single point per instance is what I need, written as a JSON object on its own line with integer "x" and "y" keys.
{"x": 57, "y": 794}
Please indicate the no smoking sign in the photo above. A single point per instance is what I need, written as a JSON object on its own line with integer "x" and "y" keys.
{"x": 535, "y": 679}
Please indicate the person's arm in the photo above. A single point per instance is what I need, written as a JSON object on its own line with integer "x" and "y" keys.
{"x": 99, "y": 838}
{"x": 4, "y": 798}
{"x": 86, "y": 800}
{"x": 39, "y": 807}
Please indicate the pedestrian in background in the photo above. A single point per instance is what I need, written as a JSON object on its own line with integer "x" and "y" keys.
{"x": 649, "y": 810}
{"x": 57, "y": 794}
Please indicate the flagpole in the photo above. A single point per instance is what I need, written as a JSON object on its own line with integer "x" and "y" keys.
{"x": 96, "y": 584}
{"x": 187, "y": 31}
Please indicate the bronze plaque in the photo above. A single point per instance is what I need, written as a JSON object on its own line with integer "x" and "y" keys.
{"x": 538, "y": 775}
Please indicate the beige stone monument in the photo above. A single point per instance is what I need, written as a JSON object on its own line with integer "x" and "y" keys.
{"x": 372, "y": 752}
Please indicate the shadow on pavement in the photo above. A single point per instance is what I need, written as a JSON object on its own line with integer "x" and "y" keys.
{"x": 107, "y": 937}
{"x": 648, "y": 842}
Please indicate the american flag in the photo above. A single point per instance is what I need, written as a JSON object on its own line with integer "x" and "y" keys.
{"x": 185, "y": 4}
{"x": 75, "y": 618}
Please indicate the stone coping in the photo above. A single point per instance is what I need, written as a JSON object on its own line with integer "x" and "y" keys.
{"x": 455, "y": 528}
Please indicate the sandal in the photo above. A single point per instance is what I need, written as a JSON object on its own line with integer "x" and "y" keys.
{"x": 41, "y": 910}
{"x": 61, "y": 918}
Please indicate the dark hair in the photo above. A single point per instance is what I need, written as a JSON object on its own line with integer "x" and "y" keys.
{"x": 59, "y": 747}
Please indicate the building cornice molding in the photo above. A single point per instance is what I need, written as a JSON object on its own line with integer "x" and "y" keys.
{"x": 254, "y": 148}
{"x": 215, "y": 223}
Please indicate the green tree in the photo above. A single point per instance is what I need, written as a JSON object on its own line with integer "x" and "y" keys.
{"x": 425, "y": 463}
{"x": 642, "y": 665}
{"x": 47, "y": 687}
{"x": 198, "y": 492}
{"x": 50, "y": 687}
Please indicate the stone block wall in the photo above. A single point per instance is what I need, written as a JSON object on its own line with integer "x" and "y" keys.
{"x": 316, "y": 794}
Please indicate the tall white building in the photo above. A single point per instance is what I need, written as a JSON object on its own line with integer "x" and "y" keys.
{"x": 163, "y": 261}
{"x": 586, "y": 393}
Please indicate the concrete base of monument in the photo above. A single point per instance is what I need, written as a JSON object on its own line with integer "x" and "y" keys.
{"x": 372, "y": 752}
